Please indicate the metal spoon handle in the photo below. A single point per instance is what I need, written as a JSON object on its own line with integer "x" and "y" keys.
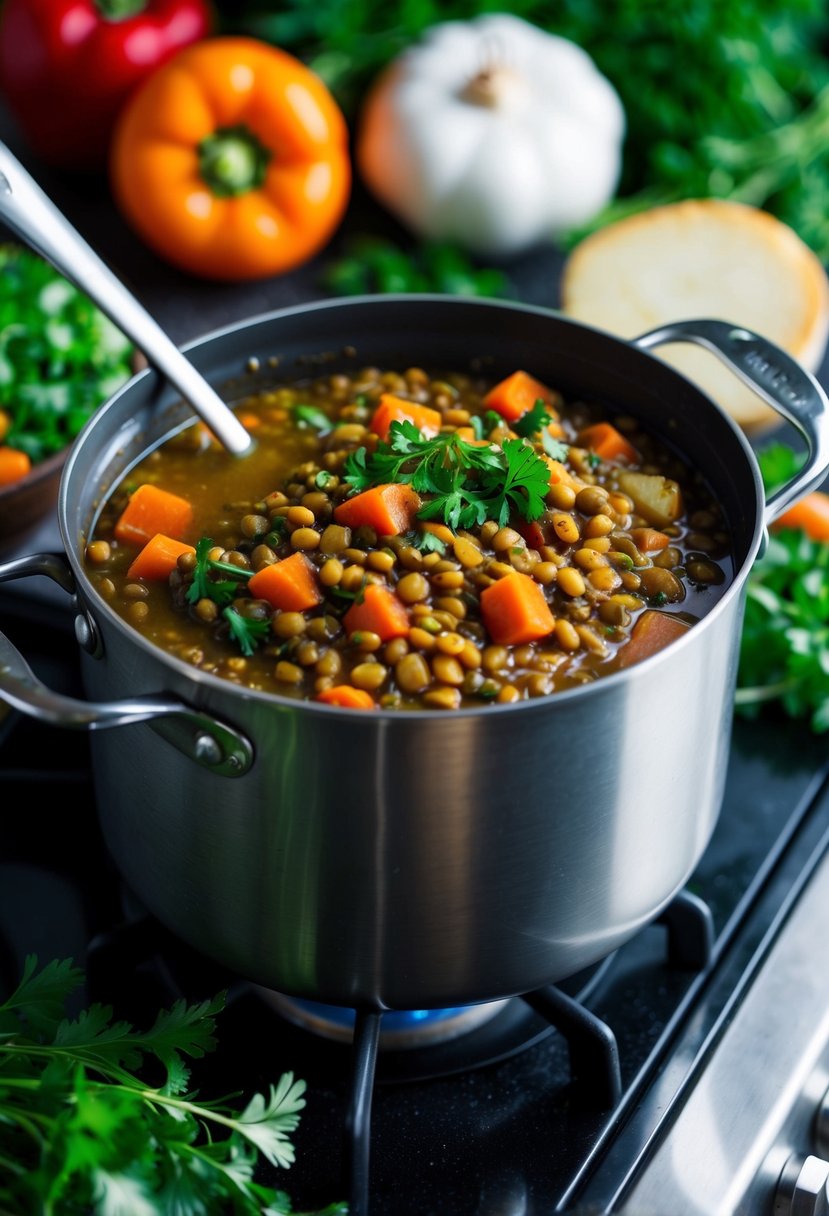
{"x": 34, "y": 217}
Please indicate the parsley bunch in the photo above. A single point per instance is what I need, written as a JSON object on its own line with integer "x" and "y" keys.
{"x": 464, "y": 484}
{"x": 82, "y": 1133}
{"x": 60, "y": 357}
{"x": 784, "y": 647}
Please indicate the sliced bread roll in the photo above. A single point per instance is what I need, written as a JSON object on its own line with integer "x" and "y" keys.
{"x": 704, "y": 258}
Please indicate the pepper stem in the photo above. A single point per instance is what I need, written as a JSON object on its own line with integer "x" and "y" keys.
{"x": 232, "y": 161}
{"x": 489, "y": 87}
{"x": 120, "y": 10}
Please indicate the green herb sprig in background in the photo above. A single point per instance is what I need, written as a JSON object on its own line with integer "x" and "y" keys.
{"x": 784, "y": 648}
{"x": 83, "y": 1133}
{"x": 60, "y": 357}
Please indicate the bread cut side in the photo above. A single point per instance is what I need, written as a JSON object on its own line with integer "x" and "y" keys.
{"x": 704, "y": 258}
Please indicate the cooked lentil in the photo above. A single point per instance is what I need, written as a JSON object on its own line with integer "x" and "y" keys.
{"x": 281, "y": 502}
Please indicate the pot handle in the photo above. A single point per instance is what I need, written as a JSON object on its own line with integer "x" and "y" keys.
{"x": 776, "y": 377}
{"x": 210, "y": 743}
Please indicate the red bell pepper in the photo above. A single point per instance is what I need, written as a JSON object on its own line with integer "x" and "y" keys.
{"x": 68, "y": 66}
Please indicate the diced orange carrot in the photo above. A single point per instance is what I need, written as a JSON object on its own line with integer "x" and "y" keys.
{"x": 515, "y": 610}
{"x": 151, "y": 510}
{"x": 5, "y": 424}
{"x": 652, "y": 632}
{"x": 606, "y": 441}
{"x": 388, "y": 509}
{"x": 512, "y": 397}
{"x": 157, "y": 560}
{"x": 289, "y": 585}
{"x": 649, "y": 540}
{"x": 439, "y": 530}
{"x": 347, "y": 696}
{"x": 396, "y": 409}
{"x": 810, "y": 515}
{"x": 560, "y": 475}
{"x": 380, "y": 612}
{"x": 250, "y": 421}
{"x": 14, "y": 465}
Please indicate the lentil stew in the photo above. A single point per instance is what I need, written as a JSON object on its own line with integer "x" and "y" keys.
{"x": 409, "y": 540}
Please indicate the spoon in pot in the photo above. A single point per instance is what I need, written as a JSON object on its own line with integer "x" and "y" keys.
{"x": 28, "y": 211}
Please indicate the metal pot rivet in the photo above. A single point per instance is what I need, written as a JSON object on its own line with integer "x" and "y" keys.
{"x": 206, "y": 750}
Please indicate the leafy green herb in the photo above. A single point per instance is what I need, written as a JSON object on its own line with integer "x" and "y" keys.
{"x": 205, "y": 586}
{"x": 784, "y": 647}
{"x": 84, "y": 1133}
{"x": 372, "y": 265}
{"x": 534, "y": 424}
{"x": 464, "y": 484}
{"x": 309, "y": 415}
{"x": 745, "y": 114}
{"x": 246, "y": 632}
{"x": 60, "y": 357}
{"x": 427, "y": 542}
{"x": 322, "y": 479}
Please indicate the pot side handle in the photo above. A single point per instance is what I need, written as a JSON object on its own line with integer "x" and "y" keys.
{"x": 210, "y": 743}
{"x": 776, "y": 377}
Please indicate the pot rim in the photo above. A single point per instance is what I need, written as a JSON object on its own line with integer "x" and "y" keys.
{"x": 94, "y": 601}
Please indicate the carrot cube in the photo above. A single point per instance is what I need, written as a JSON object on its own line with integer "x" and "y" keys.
{"x": 652, "y": 632}
{"x": 289, "y": 585}
{"x": 151, "y": 510}
{"x": 609, "y": 443}
{"x": 347, "y": 696}
{"x": 512, "y": 397}
{"x": 515, "y": 610}
{"x": 396, "y": 409}
{"x": 380, "y": 612}
{"x": 388, "y": 509}
{"x": 157, "y": 560}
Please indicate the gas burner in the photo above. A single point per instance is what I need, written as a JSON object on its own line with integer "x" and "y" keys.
{"x": 401, "y": 1028}
{"x": 423, "y": 1045}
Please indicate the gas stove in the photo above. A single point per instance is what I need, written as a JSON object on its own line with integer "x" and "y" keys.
{"x": 688, "y": 1073}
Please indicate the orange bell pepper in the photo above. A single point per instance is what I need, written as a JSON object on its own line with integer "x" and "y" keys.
{"x": 231, "y": 160}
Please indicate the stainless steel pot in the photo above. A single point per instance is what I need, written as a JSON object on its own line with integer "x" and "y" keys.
{"x": 417, "y": 859}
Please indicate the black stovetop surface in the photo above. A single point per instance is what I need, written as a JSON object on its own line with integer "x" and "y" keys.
{"x": 516, "y": 1137}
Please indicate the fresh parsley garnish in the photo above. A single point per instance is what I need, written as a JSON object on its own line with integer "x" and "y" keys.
{"x": 246, "y": 632}
{"x": 464, "y": 484}
{"x": 60, "y": 357}
{"x": 534, "y": 424}
{"x": 205, "y": 585}
{"x": 84, "y": 1130}
{"x": 322, "y": 479}
{"x": 427, "y": 542}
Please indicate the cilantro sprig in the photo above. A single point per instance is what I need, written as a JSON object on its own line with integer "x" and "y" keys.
{"x": 784, "y": 646}
{"x": 82, "y": 1130}
{"x": 206, "y": 584}
{"x": 247, "y": 633}
{"x": 464, "y": 484}
{"x": 533, "y": 425}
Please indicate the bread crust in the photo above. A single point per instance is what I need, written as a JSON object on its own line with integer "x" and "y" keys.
{"x": 704, "y": 258}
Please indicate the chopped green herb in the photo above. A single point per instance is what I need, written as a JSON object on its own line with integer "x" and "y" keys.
{"x": 322, "y": 479}
{"x": 784, "y": 646}
{"x": 464, "y": 484}
{"x": 60, "y": 357}
{"x": 247, "y": 633}
{"x": 205, "y": 586}
{"x": 529, "y": 424}
{"x": 427, "y": 542}
{"x": 593, "y": 460}
{"x": 85, "y": 1131}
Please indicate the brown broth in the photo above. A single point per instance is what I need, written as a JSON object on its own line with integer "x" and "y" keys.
{"x": 596, "y": 587}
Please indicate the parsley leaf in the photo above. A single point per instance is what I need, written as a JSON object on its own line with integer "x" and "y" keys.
{"x": 84, "y": 1131}
{"x": 310, "y": 416}
{"x": 784, "y": 646}
{"x": 464, "y": 484}
{"x": 205, "y": 585}
{"x": 534, "y": 423}
{"x": 246, "y": 632}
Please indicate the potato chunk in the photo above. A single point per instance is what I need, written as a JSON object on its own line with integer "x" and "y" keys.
{"x": 657, "y": 499}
